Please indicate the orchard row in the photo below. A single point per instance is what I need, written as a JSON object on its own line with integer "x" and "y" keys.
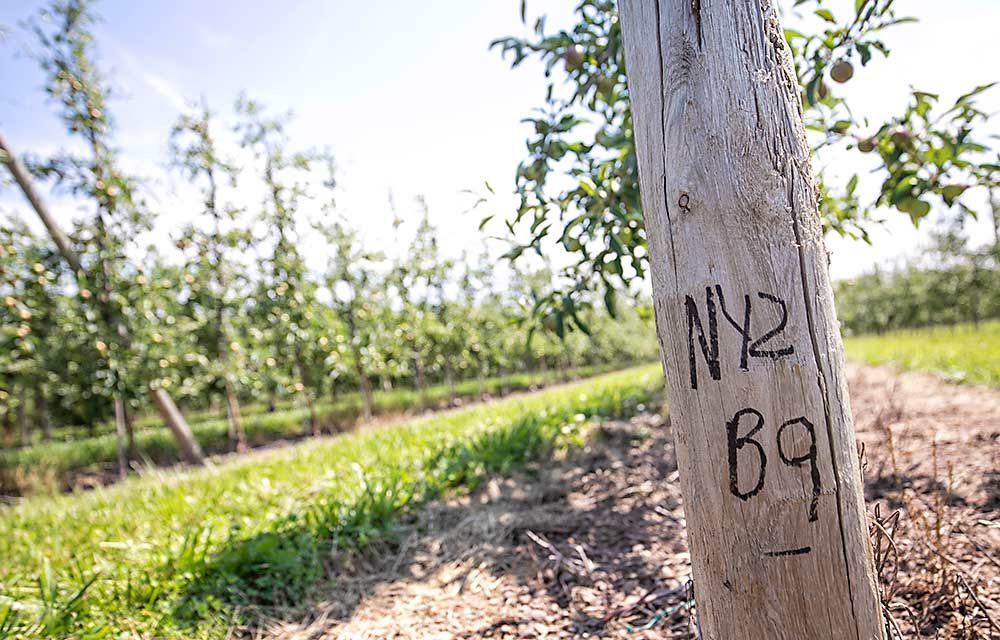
{"x": 93, "y": 325}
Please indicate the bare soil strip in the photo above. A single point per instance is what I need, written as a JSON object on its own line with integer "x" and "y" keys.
{"x": 594, "y": 546}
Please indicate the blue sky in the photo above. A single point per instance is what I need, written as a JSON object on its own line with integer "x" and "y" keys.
{"x": 405, "y": 94}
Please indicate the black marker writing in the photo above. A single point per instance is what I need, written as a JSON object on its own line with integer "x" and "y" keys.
{"x": 736, "y": 443}
{"x": 708, "y": 336}
{"x": 755, "y": 350}
{"x": 744, "y": 328}
{"x": 684, "y": 202}
{"x": 788, "y": 552}
{"x": 710, "y": 347}
{"x": 809, "y": 456}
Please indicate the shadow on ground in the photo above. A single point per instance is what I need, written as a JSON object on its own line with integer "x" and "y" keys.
{"x": 559, "y": 550}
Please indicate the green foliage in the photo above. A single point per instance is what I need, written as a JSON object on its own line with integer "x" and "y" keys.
{"x": 212, "y": 280}
{"x": 927, "y": 155}
{"x": 585, "y": 136}
{"x": 273, "y": 568}
{"x": 578, "y": 183}
{"x": 285, "y": 315}
{"x": 107, "y": 281}
{"x": 358, "y": 299}
{"x": 113, "y": 562}
{"x": 939, "y": 313}
{"x": 234, "y": 313}
{"x": 42, "y": 332}
{"x": 951, "y": 283}
{"x": 959, "y": 353}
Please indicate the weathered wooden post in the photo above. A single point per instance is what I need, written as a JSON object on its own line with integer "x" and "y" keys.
{"x": 745, "y": 317}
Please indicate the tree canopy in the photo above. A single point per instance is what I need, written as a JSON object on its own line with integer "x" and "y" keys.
{"x": 578, "y": 183}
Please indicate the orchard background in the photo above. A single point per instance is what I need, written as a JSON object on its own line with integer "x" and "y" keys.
{"x": 303, "y": 233}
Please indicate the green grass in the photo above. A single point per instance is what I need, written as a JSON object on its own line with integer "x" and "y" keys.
{"x": 393, "y": 399}
{"x": 184, "y": 555}
{"x": 46, "y": 466}
{"x": 960, "y": 353}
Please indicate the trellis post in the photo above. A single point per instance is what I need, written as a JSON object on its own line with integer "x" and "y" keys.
{"x": 751, "y": 348}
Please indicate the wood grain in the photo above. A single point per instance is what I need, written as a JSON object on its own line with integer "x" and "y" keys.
{"x": 745, "y": 317}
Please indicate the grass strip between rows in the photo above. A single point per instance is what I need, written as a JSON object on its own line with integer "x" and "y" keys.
{"x": 39, "y": 467}
{"x": 181, "y": 555}
{"x": 962, "y": 353}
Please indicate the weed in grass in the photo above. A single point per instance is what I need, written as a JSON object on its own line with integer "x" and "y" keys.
{"x": 55, "y": 611}
{"x": 271, "y": 569}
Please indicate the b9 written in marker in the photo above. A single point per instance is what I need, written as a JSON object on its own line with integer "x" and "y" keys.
{"x": 741, "y": 435}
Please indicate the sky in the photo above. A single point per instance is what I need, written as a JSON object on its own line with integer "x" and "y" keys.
{"x": 408, "y": 98}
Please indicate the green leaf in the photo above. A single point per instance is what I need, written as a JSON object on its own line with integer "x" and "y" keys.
{"x": 962, "y": 99}
{"x": 841, "y": 126}
{"x": 864, "y": 51}
{"x": 951, "y": 192}
{"x": 513, "y": 254}
{"x": 826, "y": 14}
{"x": 610, "y": 301}
{"x": 915, "y": 207}
{"x": 852, "y": 184}
{"x": 811, "y": 90}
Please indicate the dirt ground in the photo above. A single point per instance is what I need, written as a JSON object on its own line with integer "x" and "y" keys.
{"x": 594, "y": 546}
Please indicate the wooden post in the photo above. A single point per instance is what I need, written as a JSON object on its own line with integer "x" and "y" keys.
{"x": 23, "y": 423}
{"x": 121, "y": 435}
{"x": 189, "y": 449}
{"x": 234, "y": 420}
{"x": 751, "y": 348}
